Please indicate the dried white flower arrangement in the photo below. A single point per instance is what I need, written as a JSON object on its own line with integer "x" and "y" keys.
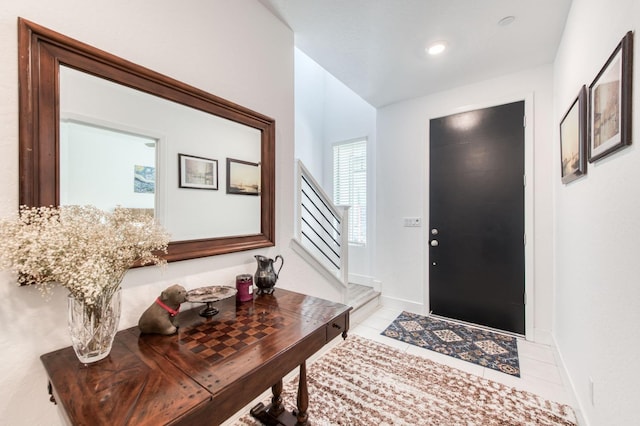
{"x": 83, "y": 248}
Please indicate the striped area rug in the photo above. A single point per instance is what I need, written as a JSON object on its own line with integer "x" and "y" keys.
{"x": 361, "y": 382}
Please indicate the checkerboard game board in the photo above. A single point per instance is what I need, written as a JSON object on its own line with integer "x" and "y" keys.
{"x": 214, "y": 340}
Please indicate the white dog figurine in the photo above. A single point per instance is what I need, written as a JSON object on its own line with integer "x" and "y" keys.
{"x": 159, "y": 318}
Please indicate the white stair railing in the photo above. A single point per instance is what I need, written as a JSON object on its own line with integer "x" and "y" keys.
{"x": 322, "y": 228}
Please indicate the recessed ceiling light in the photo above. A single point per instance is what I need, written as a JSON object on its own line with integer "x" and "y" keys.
{"x": 506, "y": 21}
{"x": 436, "y": 48}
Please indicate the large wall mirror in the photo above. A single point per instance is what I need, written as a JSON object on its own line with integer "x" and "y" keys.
{"x": 97, "y": 129}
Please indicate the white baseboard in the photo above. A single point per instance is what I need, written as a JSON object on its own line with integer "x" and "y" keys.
{"x": 361, "y": 279}
{"x": 543, "y": 337}
{"x": 568, "y": 384}
{"x": 405, "y": 305}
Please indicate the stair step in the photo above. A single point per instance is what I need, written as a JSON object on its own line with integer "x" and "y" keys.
{"x": 359, "y": 295}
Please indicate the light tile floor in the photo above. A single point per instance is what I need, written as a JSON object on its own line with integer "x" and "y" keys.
{"x": 539, "y": 373}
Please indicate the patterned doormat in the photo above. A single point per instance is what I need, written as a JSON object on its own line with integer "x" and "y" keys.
{"x": 492, "y": 350}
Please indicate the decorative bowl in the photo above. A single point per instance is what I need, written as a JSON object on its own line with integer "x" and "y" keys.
{"x": 209, "y": 295}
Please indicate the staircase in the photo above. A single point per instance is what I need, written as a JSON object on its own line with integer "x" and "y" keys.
{"x": 359, "y": 295}
{"x": 321, "y": 231}
{"x": 363, "y": 299}
{"x": 322, "y": 240}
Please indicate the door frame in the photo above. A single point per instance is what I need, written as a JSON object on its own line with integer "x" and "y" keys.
{"x": 529, "y": 272}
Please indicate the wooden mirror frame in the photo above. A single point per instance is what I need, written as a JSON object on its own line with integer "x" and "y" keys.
{"x": 41, "y": 52}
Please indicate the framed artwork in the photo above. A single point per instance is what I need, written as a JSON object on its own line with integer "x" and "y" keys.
{"x": 610, "y": 102}
{"x": 144, "y": 179}
{"x": 243, "y": 177}
{"x": 573, "y": 139}
{"x": 197, "y": 172}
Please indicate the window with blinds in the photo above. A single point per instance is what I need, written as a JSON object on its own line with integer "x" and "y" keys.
{"x": 350, "y": 185}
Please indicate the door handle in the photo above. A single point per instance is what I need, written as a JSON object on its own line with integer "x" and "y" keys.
{"x": 434, "y": 243}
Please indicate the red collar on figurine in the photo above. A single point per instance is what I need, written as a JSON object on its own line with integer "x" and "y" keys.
{"x": 172, "y": 312}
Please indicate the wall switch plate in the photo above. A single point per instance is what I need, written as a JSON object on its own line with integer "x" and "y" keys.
{"x": 412, "y": 222}
{"x": 591, "y": 392}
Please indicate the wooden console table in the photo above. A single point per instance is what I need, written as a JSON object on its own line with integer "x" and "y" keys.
{"x": 206, "y": 372}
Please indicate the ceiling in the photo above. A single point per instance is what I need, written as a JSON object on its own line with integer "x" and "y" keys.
{"x": 377, "y": 47}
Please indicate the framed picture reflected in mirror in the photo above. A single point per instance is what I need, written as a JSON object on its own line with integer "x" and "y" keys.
{"x": 197, "y": 172}
{"x": 243, "y": 177}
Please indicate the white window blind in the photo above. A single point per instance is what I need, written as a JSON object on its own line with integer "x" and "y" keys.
{"x": 350, "y": 185}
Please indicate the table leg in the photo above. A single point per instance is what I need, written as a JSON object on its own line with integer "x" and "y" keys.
{"x": 303, "y": 396}
{"x": 277, "y": 406}
{"x": 275, "y": 415}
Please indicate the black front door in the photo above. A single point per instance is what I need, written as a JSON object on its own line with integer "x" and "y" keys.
{"x": 476, "y": 214}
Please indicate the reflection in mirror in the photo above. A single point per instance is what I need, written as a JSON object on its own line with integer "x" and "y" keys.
{"x": 106, "y": 168}
{"x": 135, "y": 101}
{"x": 186, "y": 213}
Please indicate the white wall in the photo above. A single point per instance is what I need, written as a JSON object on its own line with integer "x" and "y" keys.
{"x": 328, "y": 112}
{"x": 597, "y": 231}
{"x": 402, "y": 175}
{"x": 309, "y": 115}
{"x": 233, "y": 49}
